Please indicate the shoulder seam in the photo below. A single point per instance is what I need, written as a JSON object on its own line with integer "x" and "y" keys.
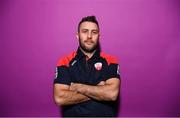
{"x": 66, "y": 59}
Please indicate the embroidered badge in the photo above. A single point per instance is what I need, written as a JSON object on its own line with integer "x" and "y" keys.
{"x": 98, "y": 65}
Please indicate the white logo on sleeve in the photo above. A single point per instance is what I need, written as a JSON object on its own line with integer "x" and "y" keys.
{"x": 56, "y": 73}
{"x": 118, "y": 72}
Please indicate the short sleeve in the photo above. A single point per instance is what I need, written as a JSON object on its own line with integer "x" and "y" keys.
{"x": 62, "y": 75}
{"x": 113, "y": 71}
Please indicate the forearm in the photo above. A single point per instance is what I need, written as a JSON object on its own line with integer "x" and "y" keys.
{"x": 106, "y": 92}
{"x": 99, "y": 92}
{"x": 67, "y": 97}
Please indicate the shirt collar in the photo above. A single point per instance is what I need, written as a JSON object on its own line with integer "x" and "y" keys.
{"x": 80, "y": 54}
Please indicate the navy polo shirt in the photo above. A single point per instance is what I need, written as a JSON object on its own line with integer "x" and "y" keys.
{"x": 77, "y": 69}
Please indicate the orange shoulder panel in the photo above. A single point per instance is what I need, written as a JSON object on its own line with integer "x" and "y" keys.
{"x": 109, "y": 59}
{"x": 65, "y": 60}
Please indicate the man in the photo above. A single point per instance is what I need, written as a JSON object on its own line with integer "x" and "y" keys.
{"x": 87, "y": 81}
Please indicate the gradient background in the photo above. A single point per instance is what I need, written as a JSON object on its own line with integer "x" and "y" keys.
{"x": 143, "y": 34}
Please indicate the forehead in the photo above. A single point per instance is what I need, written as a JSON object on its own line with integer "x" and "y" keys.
{"x": 89, "y": 25}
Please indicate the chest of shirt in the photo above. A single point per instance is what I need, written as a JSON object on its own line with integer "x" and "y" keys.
{"x": 88, "y": 72}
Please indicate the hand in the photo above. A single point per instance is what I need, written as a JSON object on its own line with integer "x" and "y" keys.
{"x": 101, "y": 83}
{"x": 75, "y": 87}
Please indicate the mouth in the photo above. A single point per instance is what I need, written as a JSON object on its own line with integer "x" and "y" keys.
{"x": 89, "y": 42}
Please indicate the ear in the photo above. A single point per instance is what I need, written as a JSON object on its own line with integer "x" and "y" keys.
{"x": 99, "y": 35}
{"x": 77, "y": 35}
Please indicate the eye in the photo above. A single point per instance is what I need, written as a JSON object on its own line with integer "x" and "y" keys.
{"x": 84, "y": 31}
{"x": 95, "y": 32}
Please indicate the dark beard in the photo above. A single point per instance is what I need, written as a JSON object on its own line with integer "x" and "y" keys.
{"x": 89, "y": 50}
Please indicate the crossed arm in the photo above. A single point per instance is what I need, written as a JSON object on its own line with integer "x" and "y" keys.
{"x": 77, "y": 92}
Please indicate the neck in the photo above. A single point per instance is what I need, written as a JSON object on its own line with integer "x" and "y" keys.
{"x": 89, "y": 54}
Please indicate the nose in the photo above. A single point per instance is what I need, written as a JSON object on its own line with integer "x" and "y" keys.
{"x": 89, "y": 35}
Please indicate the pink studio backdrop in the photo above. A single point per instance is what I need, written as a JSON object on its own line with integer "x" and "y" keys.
{"x": 143, "y": 34}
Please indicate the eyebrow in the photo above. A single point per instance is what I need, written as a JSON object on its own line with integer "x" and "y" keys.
{"x": 92, "y": 29}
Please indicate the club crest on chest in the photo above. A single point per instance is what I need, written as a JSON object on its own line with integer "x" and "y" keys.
{"x": 98, "y": 66}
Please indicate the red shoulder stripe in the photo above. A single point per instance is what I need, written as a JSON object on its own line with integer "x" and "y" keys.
{"x": 109, "y": 59}
{"x": 65, "y": 61}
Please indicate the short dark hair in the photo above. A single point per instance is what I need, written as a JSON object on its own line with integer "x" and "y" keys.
{"x": 88, "y": 19}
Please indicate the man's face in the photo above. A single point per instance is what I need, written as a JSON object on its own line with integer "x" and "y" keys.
{"x": 88, "y": 36}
